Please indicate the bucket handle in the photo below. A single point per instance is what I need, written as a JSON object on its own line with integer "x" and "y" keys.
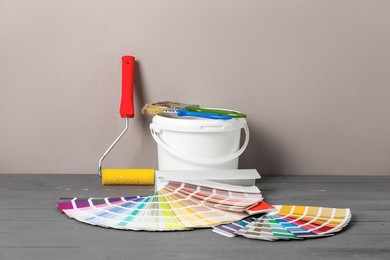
{"x": 198, "y": 160}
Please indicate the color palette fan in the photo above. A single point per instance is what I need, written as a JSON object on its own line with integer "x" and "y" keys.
{"x": 231, "y": 210}
{"x": 289, "y": 222}
{"x": 177, "y": 206}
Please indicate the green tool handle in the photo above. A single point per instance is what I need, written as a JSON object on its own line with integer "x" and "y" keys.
{"x": 232, "y": 113}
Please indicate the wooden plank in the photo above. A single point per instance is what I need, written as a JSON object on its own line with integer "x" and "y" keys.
{"x": 332, "y": 195}
{"x": 62, "y": 222}
{"x": 325, "y": 186}
{"x": 98, "y": 252}
{"x": 193, "y": 244}
{"x": 35, "y": 234}
{"x": 322, "y": 193}
{"x": 30, "y": 202}
{"x": 314, "y": 186}
{"x": 303, "y": 199}
{"x": 324, "y": 179}
{"x": 52, "y": 214}
{"x": 84, "y": 182}
{"x": 57, "y": 181}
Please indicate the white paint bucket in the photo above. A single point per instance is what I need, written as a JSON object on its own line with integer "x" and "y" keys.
{"x": 198, "y": 144}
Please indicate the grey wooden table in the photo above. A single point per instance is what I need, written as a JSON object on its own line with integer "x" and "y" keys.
{"x": 32, "y": 228}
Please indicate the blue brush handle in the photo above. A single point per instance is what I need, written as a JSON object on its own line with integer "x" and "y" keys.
{"x": 184, "y": 112}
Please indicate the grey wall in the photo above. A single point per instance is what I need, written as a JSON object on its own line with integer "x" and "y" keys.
{"x": 312, "y": 75}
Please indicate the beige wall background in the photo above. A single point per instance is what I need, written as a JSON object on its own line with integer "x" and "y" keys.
{"x": 313, "y": 76}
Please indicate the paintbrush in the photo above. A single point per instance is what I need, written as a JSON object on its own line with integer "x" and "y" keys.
{"x": 156, "y": 107}
{"x": 176, "y": 111}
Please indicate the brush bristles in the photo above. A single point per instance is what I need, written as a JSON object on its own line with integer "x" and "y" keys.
{"x": 152, "y": 110}
{"x": 158, "y": 108}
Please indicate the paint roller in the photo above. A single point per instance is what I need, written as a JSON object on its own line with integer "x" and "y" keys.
{"x": 125, "y": 176}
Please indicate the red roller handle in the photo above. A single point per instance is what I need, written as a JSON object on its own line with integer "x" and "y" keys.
{"x": 127, "y": 101}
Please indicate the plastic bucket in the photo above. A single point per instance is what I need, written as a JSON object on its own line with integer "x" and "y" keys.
{"x": 198, "y": 144}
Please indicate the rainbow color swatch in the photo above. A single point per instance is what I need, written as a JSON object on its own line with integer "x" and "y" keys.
{"x": 229, "y": 209}
{"x": 177, "y": 206}
{"x": 74, "y": 203}
{"x": 289, "y": 222}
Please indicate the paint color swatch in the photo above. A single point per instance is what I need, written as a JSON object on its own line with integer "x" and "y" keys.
{"x": 230, "y": 230}
{"x": 177, "y": 206}
{"x": 290, "y": 222}
{"x": 228, "y": 200}
{"x": 73, "y": 203}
